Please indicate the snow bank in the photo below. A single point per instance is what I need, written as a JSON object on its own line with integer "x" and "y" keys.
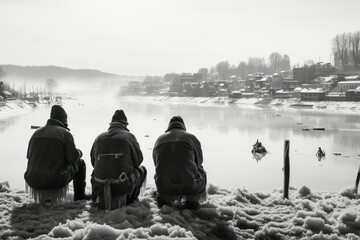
{"x": 348, "y": 107}
{"x": 13, "y": 108}
{"x": 228, "y": 214}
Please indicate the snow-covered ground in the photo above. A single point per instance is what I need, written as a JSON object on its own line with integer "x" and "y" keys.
{"x": 227, "y": 214}
{"x": 13, "y": 108}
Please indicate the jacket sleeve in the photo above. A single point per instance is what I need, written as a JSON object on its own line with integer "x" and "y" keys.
{"x": 71, "y": 152}
{"x": 136, "y": 154}
{"x": 198, "y": 152}
{"x": 92, "y": 154}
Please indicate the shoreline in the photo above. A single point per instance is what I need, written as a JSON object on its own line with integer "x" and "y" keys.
{"x": 15, "y": 107}
{"x": 349, "y": 107}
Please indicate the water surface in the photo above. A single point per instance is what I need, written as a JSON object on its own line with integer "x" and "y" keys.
{"x": 226, "y": 134}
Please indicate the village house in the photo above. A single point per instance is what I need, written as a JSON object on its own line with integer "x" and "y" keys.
{"x": 312, "y": 94}
{"x": 307, "y": 74}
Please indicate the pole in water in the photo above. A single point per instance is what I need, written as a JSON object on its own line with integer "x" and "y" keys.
{"x": 357, "y": 181}
{"x": 286, "y": 169}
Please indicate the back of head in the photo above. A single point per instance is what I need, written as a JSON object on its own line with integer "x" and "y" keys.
{"x": 119, "y": 116}
{"x": 177, "y": 119}
{"x": 176, "y": 122}
{"x": 58, "y": 113}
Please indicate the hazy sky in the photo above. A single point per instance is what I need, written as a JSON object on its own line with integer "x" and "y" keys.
{"x": 154, "y": 37}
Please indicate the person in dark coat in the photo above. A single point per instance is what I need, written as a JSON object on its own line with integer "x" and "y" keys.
{"x": 116, "y": 157}
{"x": 53, "y": 159}
{"x": 179, "y": 174}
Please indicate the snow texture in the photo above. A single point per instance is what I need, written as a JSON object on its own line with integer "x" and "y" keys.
{"x": 227, "y": 214}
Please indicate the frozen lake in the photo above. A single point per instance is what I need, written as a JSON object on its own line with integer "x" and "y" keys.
{"x": 226, "y": 134}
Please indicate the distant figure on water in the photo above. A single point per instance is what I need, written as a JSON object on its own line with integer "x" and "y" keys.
{"x": 320, "y": 153}
{"x": 179, "y": 175}
{"x": 53, "y": 159}
{"x": 258, "y": 148}
{"x": 116, "y": 158}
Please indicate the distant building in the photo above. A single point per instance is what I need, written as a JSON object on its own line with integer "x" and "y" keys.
{"x": 307, "y": 74}
{"x": 276, "y": 82}
{"x": 312, "y": 94}
{"x": 3, "y": 93}
{"x": 290, "y": 84}
{"x": 169, "y": 77}
{"x": 343, "y": 86}
{"x": 178, "y": 85}
{"x": 353, "y": 94}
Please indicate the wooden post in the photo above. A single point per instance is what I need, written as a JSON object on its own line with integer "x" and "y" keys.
{"x": 357, "y": 181}
{"x": 286, "y": 169}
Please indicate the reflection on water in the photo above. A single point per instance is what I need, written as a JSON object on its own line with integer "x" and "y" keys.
{"x": 226, "y": 135}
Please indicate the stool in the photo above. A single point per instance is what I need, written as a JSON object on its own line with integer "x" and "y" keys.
{"x": 48, "y": 197}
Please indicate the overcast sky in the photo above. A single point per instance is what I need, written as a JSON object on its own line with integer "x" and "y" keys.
{"x": 154, "y": 37}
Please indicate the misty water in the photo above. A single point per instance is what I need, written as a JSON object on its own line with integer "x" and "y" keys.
{"x": 226, "y": 134}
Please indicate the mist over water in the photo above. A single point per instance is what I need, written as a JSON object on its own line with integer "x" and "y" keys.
{"x": 226, "y": 135}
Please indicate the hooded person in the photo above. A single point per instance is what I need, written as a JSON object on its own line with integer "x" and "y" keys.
{"x": 53, "y": 159}
{"x": 116, "y": 157}
{"x": 179, "y": 174}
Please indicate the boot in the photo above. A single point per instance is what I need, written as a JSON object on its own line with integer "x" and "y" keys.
{"x": 79, "y": 182}
{"x": 79, "y": 191}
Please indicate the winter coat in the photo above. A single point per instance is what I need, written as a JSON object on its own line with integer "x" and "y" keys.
{"x": 178, "y": 162}
{"x": 116, "y": 155}
{"x": 50, "y": 154}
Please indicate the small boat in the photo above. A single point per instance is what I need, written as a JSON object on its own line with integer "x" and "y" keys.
{"x": 319, "y": 129}
{"x": 301, "y": 105}
{"x": 34, "y": 127}
{"x": 258, "y": 148}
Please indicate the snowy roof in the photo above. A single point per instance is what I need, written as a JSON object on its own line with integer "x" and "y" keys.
{"x": 348, "y": 82}
{"x": 324, "y": 79}
{"x": 312, "y": 90}
{"x": 7, "y": 93}
{"x": 354, "y": 77}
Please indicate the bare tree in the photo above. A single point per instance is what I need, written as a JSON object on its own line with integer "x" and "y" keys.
{"x": 341, "y": 48}
{"x": 204, "y": 72}
{"x": 285, "y": 62}
{"x": 275, "y": 59}
{"x": 223, "y": 69}
{"x": 50, "y": 86}
{"x": 242, "y": 70}
{"x": 212, "y": 73}
{"x": 355, "y": 48}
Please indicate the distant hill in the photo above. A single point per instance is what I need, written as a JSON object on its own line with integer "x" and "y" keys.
{"x": 59, "y": 73}
{"x": 79, "y": 81}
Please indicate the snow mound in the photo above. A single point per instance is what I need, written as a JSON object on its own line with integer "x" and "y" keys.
{"x": 228, "y": 214}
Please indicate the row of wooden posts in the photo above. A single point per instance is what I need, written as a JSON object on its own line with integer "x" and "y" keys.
{"x": 287, "y": 171}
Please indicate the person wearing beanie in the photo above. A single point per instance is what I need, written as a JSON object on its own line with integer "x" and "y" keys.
{"x": 179, "y": 175}
{"x": 53, "y": 159}
{"x": 116, "y": 157}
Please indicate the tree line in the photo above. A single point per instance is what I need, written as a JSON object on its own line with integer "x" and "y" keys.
{"x": 346, "y": 50}
{"x": 224, "y": 70}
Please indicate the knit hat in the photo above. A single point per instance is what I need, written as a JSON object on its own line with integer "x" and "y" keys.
{"x": 58, "y": 113}
{"x": 177, "y": 119}
{"x": 119, "y": 116}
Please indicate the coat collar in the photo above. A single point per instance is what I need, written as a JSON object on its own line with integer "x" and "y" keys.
{"x": 175, "y": 125}
{"x": 118, "y": 125}
{"x": 55, "y": 122}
